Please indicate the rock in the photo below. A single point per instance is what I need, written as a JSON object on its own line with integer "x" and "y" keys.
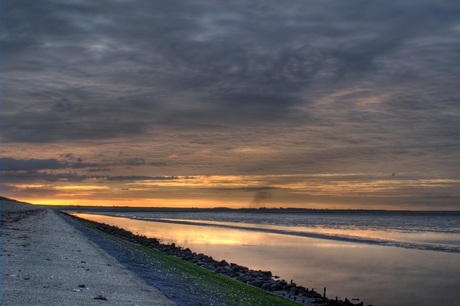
{"x": 101, "y": 297}
{"x": 289, "y": 286}
{"x": 267, "y": 273}
{"x": 276, "y": 287}
{"x": 294, "y": 291}
{"x": 256, "y": 283}
{"x": 220, "y": 270}
{"x": 200, "y": 256}
{"x": 266, "y": 286}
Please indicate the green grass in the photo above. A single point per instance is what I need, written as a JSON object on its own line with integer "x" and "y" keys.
{"x": 229, "y": 290}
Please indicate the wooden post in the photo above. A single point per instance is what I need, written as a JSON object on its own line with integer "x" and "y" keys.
{"x": 324, "y": 294}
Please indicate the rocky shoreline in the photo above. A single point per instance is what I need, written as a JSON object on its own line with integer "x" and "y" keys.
{"x": 259, "y": 279}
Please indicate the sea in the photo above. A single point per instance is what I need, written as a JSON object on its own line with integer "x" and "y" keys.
{"x": 378, "y": 257}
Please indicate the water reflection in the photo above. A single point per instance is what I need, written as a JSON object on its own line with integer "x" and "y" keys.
{"x": 380, "y": 275}
{"x": 451, "y": 239}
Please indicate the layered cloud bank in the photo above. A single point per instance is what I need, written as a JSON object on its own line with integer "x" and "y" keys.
{"x": 318, "y": 103}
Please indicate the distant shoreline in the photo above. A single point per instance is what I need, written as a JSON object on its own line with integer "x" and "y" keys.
{"x": 228, "y": 209}
{"x": 244, "y": 210}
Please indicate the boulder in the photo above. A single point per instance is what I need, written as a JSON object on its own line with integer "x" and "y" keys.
{"x": 256, "y": 283}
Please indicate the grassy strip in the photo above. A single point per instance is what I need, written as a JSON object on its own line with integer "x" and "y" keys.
{"x": 227, "y": 289}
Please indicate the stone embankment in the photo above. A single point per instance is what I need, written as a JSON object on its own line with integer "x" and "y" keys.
{"x": 260, "y": 279}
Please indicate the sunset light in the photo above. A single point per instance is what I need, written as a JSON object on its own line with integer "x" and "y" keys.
{"x": 232, "y": 107}
{"x": 244, "y": 152}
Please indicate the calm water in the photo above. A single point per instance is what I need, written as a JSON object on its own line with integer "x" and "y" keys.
{"x": 383, "y": 258}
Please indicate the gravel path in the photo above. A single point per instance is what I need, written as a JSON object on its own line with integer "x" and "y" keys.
{"x": 46, "y": 261}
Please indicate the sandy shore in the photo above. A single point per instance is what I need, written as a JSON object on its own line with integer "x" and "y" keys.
{"x": 46, "y": 261}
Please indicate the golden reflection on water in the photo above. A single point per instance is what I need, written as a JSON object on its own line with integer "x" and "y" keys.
{"x": 421, "y": 237}
{"x": 377, "y": 274}
{"x": 183, "y": 235}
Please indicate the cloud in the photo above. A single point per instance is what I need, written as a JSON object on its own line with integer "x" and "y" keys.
{"x": 12, "y": 164}
{"x": 141, "y": 178}
{"x": 136, "y": 161}
{"x": 188, "y": 86}
{"x": 63, "y": 105}
{"x": 249, "y": 189}
{"x": 31, "y": 177}
{"x": 118, "y": 70}
{"x": 261, "y": 197}
{"x": 158, "y": 164}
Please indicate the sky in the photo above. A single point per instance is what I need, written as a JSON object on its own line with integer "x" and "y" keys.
{"x": 315, "y": 104}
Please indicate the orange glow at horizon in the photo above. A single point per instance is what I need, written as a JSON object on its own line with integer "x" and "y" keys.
{"x": 173, "y": 203}
{"x": 318, "y": 191}
{"x": 321, "y": 184}
{"x": 79, "y": 187}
